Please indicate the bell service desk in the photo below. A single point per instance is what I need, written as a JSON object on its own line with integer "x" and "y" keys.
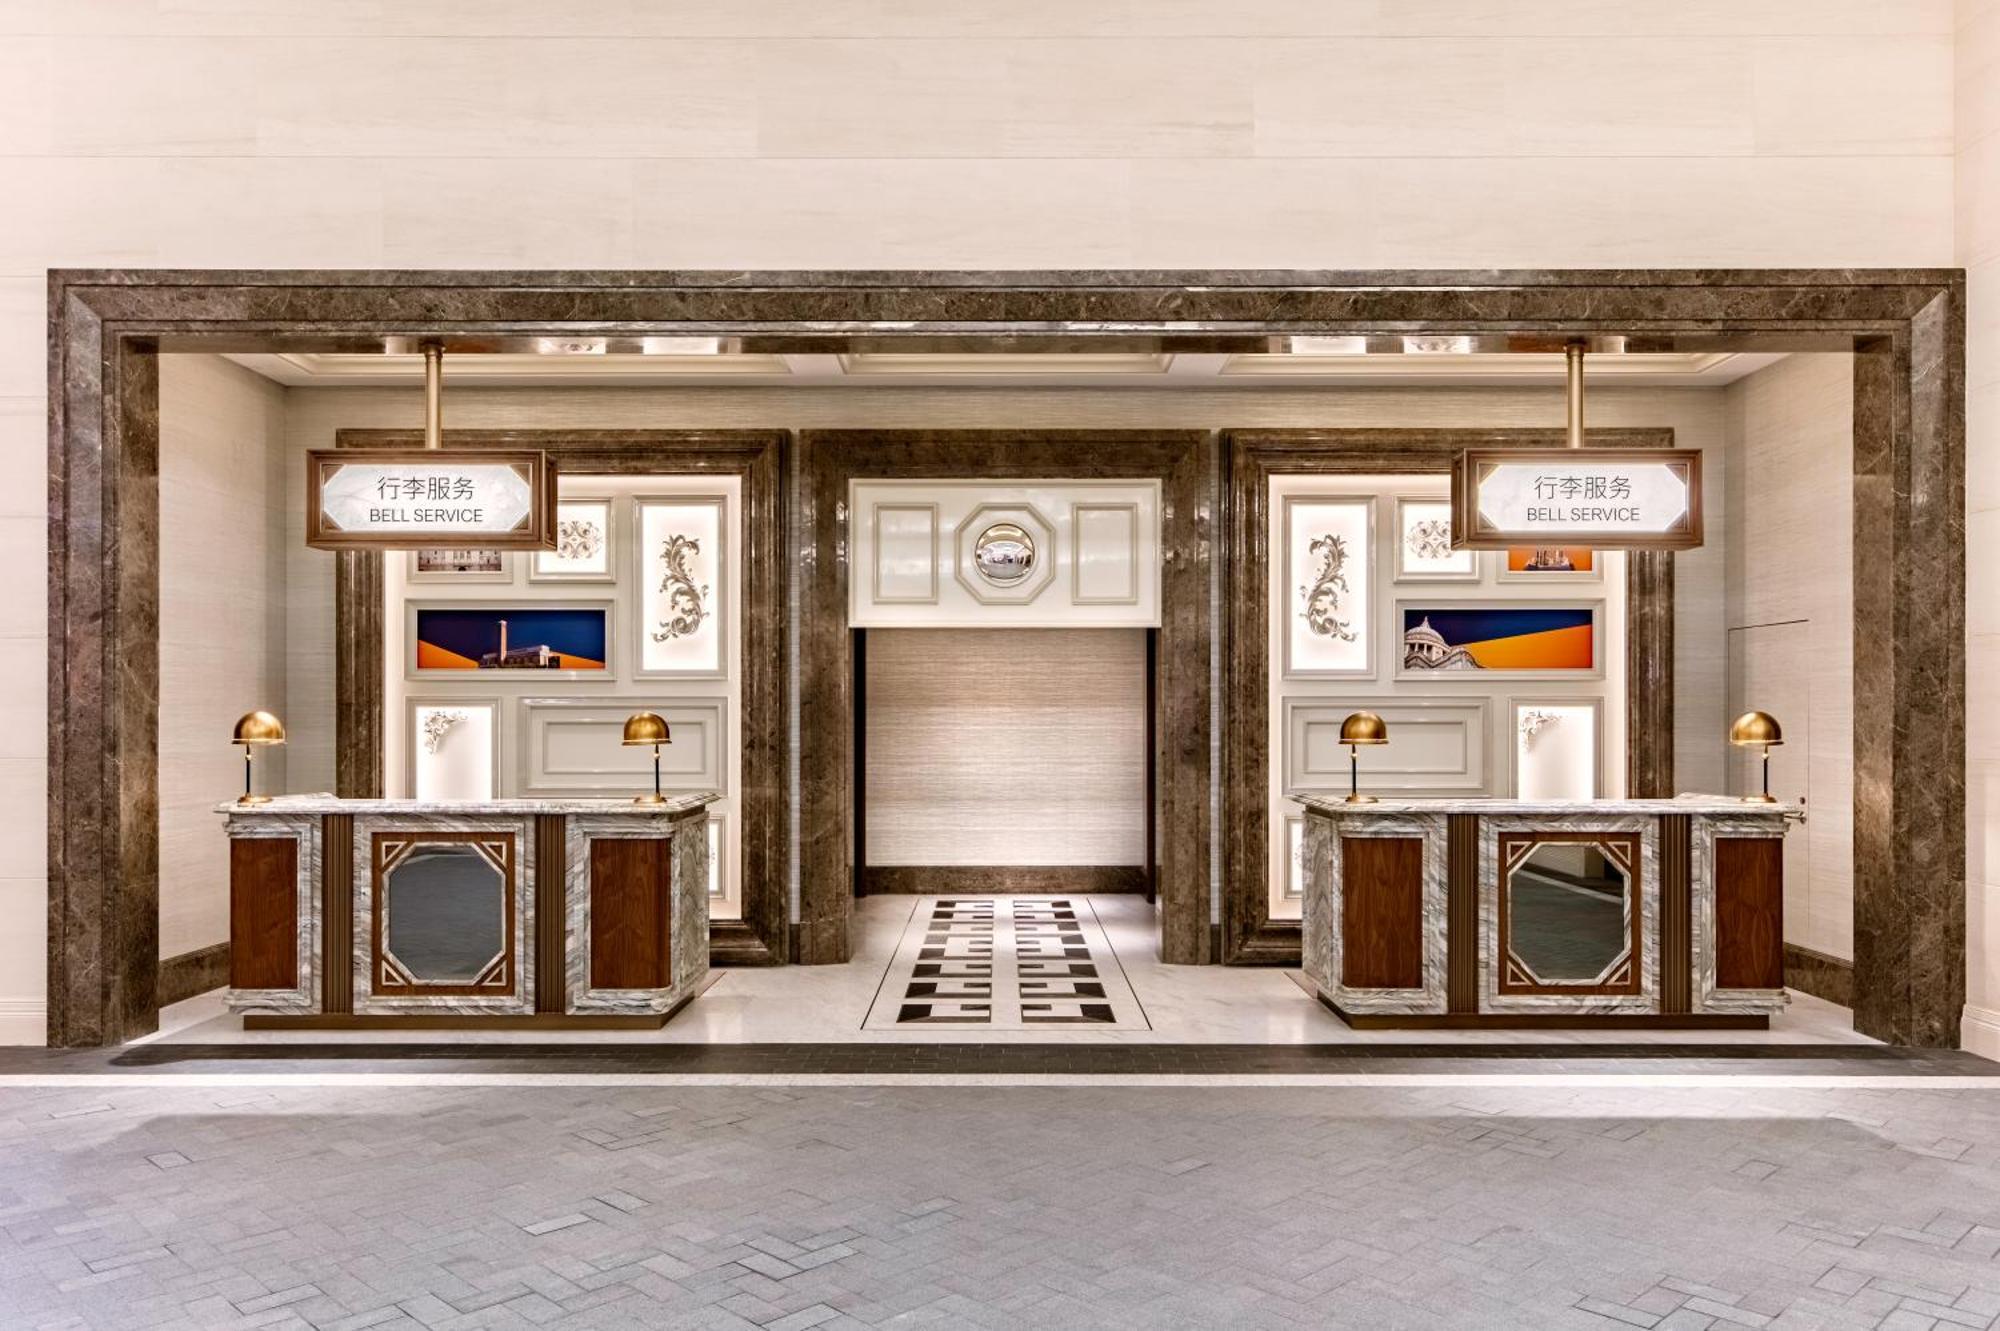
{"x": 537, "y": 913}
{"x": 1493, "y": 912}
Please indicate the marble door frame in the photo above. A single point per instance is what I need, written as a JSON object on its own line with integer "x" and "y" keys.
{"x": 758, "y": 457}
{"x": 107, "y": 326}
{"x": 1251, "y": 458}
{"x": 1185, "y": 462}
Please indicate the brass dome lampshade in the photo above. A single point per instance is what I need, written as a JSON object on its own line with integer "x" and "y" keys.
{"x": 254, "y": 729}
{"x": 1360, "y": 728}
{"x": 649, "y": 728}
{"x": 1758, "y": 730}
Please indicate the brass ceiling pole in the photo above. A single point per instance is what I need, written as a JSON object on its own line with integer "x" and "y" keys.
{"x": 433, "y": 395}
{"x": 1573, "y": 360}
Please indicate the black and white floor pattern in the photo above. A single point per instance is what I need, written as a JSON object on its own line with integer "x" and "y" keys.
{"x": 1005, "y": 963}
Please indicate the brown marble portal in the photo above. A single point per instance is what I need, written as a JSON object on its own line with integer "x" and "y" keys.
{"x": 1906, "y": 328}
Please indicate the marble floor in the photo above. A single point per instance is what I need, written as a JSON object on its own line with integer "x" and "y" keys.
{"x": 1549, "y": 1206}
{"x": 1181, "y": 1005}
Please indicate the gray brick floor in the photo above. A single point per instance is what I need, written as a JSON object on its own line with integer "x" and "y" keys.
{"x": 1546, "y": 1205}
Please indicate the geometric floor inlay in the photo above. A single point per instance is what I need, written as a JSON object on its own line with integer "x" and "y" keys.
{"x": 1005, "y": 963}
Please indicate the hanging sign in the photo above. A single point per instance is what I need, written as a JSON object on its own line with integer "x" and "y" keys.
{"x": 1601, "y": 498}
{"x": 410, "y": 498}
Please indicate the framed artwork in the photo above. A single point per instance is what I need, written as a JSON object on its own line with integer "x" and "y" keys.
{"x": 445, "y": 564}
{"x": 583, "y": 550}
{"x": 1423, "y": 544}
{"x": 682, "y": 586}
{"x": 552, "y": 641}
{"x": 452, "y": 748}
{"x": 1442, "y": 641}
{"x": 1558, "y": 754}
{"x": 1551, "y": 564}
{"x": 1328, "y": 587}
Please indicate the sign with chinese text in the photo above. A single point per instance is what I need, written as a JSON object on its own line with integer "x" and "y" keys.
{"x": 412, "y": 498}
{"x": 1599, "y": 498}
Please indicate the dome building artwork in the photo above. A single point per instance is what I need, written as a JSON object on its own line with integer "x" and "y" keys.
{"x": 1424, "y": 648}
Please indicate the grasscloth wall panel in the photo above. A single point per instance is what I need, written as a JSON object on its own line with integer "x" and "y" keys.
{"x": 993, "y": 747}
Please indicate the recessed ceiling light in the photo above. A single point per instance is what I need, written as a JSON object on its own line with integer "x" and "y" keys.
{"x": 681, "y": 346}
{"x": 1437, "y": 346}
{"x": 1329, "y": 346}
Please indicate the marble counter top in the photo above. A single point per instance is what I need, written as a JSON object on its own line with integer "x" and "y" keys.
{"x": 282, "y": 805}
{"x": 1680, "y": 804}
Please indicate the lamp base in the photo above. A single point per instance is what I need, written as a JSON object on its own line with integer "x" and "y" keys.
{"x": 253, "y": 799}
{"x": 649, "y": 799}
{"x": 1760, "y": 799}
{"x": 1362, "y": 799}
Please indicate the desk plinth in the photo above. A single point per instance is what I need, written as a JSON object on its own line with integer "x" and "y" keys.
{"x": 1488, "y": 912}
{"x": 368, "y": 914}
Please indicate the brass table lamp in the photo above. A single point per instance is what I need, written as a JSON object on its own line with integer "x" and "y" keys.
{"x": 1358, "y": 729}
{"x": 1754, "y": 730}
{"x": 649, "y": 728}
{"x": 252, "y": 729}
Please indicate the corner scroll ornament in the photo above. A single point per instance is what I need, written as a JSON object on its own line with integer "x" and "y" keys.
{"x": 436, "y": 726}
{"x": 1533, "y": 722}
{"x": 1322, "y": 608}
{"x": 687, "y": 604}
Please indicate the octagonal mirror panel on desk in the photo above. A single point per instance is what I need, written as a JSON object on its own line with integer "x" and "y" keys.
{"x": 1569, "y": 914}
{"x": 444, "y": 913}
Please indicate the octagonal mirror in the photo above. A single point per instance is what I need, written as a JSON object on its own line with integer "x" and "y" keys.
{"x": 1569, "y": 912}
{"x": 444, "y": 914}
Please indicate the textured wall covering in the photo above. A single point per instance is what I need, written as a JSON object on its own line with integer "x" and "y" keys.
{"x": 223, "y": 504}
{"x": 995, "y": 747}
{"x": 1790, "y": 555}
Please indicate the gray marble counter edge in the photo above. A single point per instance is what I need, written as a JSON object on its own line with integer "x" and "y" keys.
{"x": 1683, "y": 804}
{"x": 509, "y": 808}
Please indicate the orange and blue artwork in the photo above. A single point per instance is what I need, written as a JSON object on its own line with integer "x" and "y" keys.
{"x": 514, "y": 638}
{"x": 1510, "y": 638}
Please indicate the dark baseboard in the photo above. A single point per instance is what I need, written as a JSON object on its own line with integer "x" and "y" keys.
{"x": 1271, "y": 943}
{"x": 735, "y": 943}
{"x": 1817, "y": 974}
{"x": 192, "y": 973}
{"x": 976, "y": 879}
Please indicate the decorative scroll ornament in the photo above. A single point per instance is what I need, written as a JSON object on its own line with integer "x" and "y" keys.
{"x": 1322, "y": 608}
{"x": 1429, "y": 539}
{"x": 1533, "y": 722}
{"x": 436, "y": 726}
{"x": 687, "y": 604}
{"x": 578, "y": 539}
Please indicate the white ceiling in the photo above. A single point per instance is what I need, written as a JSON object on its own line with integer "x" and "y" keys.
{"x": 987, "y": 369}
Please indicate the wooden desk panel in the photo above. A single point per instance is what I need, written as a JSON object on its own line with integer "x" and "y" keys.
{"x": 1749, "y": 913}
{"x": 264, "y": 913}
{"x": 1382, "y": 912}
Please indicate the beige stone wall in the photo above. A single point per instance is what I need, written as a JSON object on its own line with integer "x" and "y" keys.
{"x": 854, "y": 133}
{"x": 1978, "y": 234}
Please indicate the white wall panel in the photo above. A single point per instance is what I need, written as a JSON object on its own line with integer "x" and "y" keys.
{"x": 1439, "y": 746}
{"x": 911, "y": 562}
{"x": 575, "y": 746}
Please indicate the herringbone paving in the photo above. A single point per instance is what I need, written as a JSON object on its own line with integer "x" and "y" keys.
{"x": 1542, "y": 1205}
